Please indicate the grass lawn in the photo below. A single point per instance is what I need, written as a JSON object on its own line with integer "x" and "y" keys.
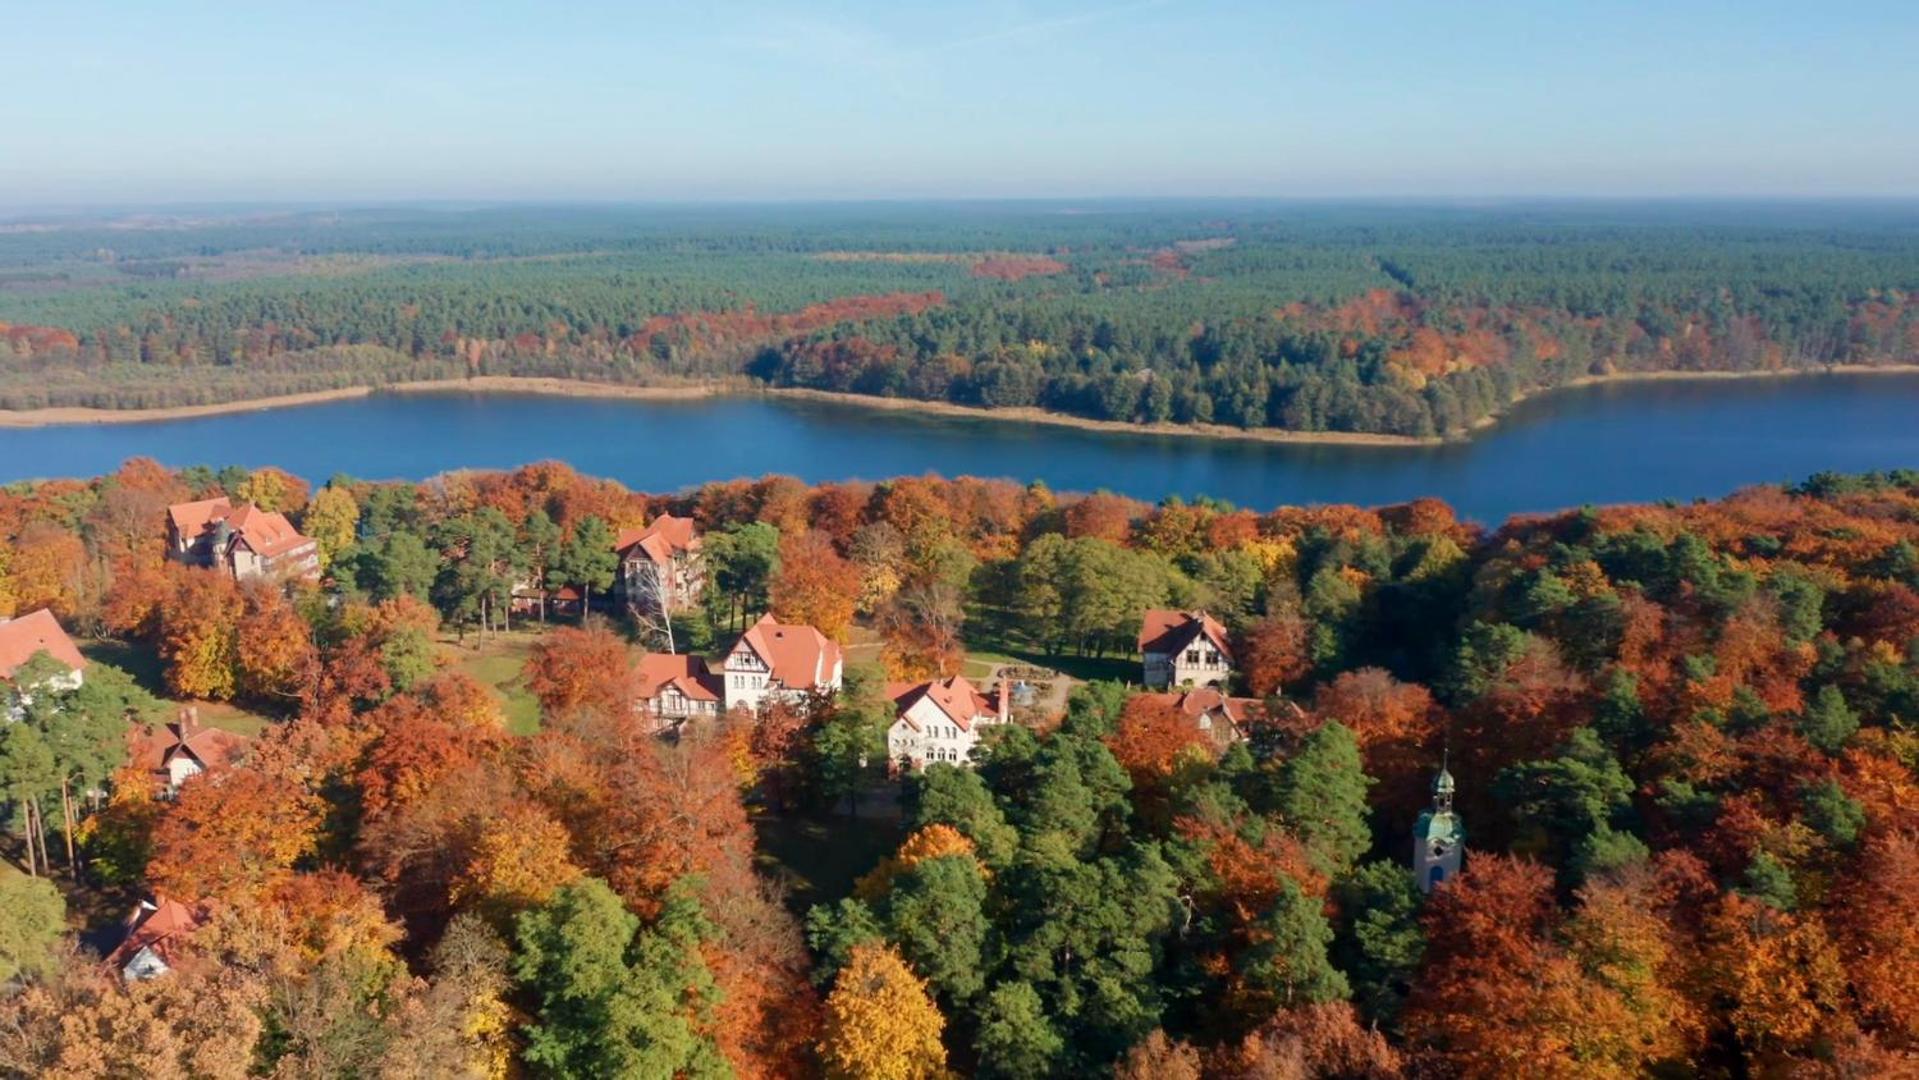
{"x": 140, "y": 661}
{"x": 497, "y": 662}
{"x": 818, "y": 857}
{"x": 1080, "y": 668}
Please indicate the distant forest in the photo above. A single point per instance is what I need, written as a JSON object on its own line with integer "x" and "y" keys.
{"x": 1403, "y": 320}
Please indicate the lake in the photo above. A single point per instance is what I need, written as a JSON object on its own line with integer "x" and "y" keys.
{"x": 1625, "y": 442}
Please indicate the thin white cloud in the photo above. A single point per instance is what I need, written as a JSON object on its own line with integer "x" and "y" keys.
{"x": 1035, "y": 28}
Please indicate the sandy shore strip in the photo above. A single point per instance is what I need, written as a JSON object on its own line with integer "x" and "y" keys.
{"x": 556, "y": 387}
{"x": 1029, "y": 415}
{"x": 498, "y": 384}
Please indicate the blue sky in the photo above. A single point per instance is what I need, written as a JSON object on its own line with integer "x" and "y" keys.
{"x": 486, "y": 99}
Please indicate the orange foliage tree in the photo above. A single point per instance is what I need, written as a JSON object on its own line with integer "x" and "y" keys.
{"x": 814, "y": 584}
{"x": 233, "y": 834}
{"x": 575, "y": 669}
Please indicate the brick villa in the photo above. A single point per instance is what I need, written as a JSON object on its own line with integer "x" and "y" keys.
{"x": 244, "y": 541}
{"x": 669, "y": 548}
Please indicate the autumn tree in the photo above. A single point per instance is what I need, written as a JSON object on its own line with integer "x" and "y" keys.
{"x": 1274, "y": 653}
{"x": 579, "y": 669}
{"x": 880, "y": 1022}
{"x": 199, "y": 634}
{"x": 271, "y": 488}
{"x": 273, "y": 648}
{"x": 814, "y": 584}
{"x": 333, "y": 519}
{"x": 232, "y": 834}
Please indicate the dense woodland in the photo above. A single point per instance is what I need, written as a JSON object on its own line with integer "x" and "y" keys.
{"x": 1683, "y": 736}
{"x": 1415, "y": 321}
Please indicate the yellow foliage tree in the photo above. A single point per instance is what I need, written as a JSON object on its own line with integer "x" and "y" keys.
{"x": 880, "y": 1022}
{"x": 518, "y": 861}
{"x": 272, "y": 489}
{"x": 333, "y": 519}
{"x": 932, "y": 842}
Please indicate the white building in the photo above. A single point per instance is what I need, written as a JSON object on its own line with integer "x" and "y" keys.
{"x": 156, "y": 930}
{"x": 26, "y": 637}
{"x": 940, "y": 721}
{"x": 1438, "y": 837}
{"x": 780, "y": 662}
{"x": 177, "y": 752}
{"x": 1185, "y": 649}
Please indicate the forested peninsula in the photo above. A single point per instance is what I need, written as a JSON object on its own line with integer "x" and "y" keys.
{"x": 1605, "y": 793}
{"x": 1409, "y": 322}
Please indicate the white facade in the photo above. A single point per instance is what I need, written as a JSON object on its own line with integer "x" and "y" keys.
{"x": 750, "y": 680}
{"x": 1439, "y": 838}
{"x": 1198, "y": 664}
{"x": 20, "y": 698}
{"x": 924, "y": 735}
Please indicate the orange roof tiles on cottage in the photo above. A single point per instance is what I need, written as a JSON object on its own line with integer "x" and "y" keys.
{"x": 161, "y": 925}
{"x": 1165, "y": 631}
{"x": 1209, "y": 703}
{"x": 155, "y": 746}
{"x": 660, "y": 541}
{"x": 33, "y": 633}
{"x": 685, "y": 673}
{"x": 959, "y": 699}
{"x": 798, "y": 656}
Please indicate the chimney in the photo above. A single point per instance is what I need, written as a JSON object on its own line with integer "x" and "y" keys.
{"x": 189, "y": 718}
{"x": 1005, "y": 698}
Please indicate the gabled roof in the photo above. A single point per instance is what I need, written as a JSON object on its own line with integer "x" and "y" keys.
{"x": 1166, "y": 631}
{"x": 798, "y": 656}
{"x": 155, "y": 747}
{"x": 960, "y": 700}
{"x": 660, "y": 541}
{"x": 685, "y": 673}
{"x": 1209, "y": 702}
{"x": 267, "y": 533}
{"x": 194, "y": 518}
{"x": 161, "y": 924}
{"x": 35, "y": 632}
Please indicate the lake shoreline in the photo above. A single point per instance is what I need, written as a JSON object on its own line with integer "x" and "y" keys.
{"x": 573, "y": 388}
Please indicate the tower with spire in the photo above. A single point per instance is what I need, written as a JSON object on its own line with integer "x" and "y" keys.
{"x": 1438, "y": 836}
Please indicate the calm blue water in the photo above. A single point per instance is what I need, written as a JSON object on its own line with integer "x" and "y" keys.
{"x": 1635, "y": 442}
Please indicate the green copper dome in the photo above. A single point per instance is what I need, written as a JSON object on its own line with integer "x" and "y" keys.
{"x": 1441, "y": 826}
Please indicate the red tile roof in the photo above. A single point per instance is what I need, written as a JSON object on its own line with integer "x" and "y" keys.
{"x": 267, "y": 533}
{"x": 800, "y": 657}
{"x": 660, "y": 541}
{"x": 194, "y": 518}
{"x": 36, "y": 632}
{"x": 163, "y": 924}
{"x": 686, "y": 673}
{"x": 1194, "y": 704}
{"x": 960, "y": 700}
{"x": 155, "y": 746}
{"x": 1164, "y": 631}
